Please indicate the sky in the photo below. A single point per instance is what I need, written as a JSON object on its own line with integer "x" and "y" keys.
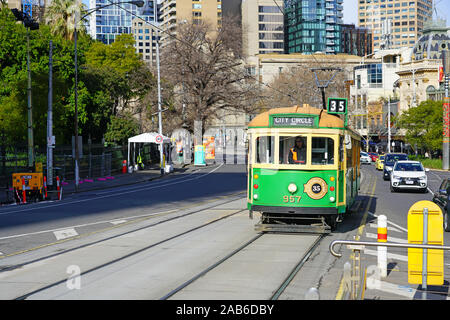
{"x": 351, "y": 10}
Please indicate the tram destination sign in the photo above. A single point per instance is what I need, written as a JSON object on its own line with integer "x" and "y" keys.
{"x": 297, "y": 121}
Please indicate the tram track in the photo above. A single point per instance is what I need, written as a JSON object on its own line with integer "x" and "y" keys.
{"x": 133, "y": 253}
{"x": 153, "y": 216}
{"x": 278, "y": 291}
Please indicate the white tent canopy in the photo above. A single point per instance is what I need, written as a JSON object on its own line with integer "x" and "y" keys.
{"x": 146, "y": 137}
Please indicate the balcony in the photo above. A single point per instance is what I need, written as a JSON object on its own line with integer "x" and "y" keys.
{"x": 330, "y": 36}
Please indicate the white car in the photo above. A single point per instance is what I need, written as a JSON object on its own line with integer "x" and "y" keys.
{"x": 409, "y": 175}
{"x": 365, "y": 158}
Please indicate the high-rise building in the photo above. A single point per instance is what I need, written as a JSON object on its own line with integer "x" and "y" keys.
{"x": 355, "y": 41}
{"x": 262, "y": 26}
{"x": 145, "y": 40}
{"x": 107, "y": 23}
{"x": 173, "y": 12}
{"x": 407, "y": 16}
{"x": 313, "y": 25}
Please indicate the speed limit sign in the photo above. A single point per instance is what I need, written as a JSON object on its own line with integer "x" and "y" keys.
{"x": 159, "y": 138}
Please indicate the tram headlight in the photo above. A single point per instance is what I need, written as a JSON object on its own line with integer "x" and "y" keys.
{"x": 255, "y": 196}
{"x": 292, "y": 188}
{"x": 332, "y": 199}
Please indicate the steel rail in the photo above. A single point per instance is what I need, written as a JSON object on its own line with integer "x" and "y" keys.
{"x": 297, "y": 268}
{"x": 23, "y": 297}
{"x": 213, "y": 266}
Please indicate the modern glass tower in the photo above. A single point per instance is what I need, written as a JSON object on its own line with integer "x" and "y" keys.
{"x": 107, "y": 23}
{"x": 312, "y": 26}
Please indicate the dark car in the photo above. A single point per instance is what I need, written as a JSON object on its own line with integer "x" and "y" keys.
{"x": 440, "y": 197}
{"x": 389, "y": 161}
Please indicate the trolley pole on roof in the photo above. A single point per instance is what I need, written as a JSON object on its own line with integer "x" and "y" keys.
{"x": 323, "y": 84}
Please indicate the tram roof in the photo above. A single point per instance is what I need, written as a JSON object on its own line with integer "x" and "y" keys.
{"x": 325, "y": 120}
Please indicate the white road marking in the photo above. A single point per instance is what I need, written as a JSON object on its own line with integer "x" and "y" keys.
{"x": 64, "y": 234}
{"x": 404, "y": 291}
{"x": 82, "y": 225}
{"x": 374, "y": 225}
{"x": 391, "y": 223}
{"x": 118, "y": 222}
{"x": 111, "y": 194}
{"x": 393, "y": 239}
{"x": 392, "y": 256}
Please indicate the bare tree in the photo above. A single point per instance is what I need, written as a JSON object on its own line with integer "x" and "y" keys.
{"x": 206, "y": 69}
{"x": 297, "y": 86}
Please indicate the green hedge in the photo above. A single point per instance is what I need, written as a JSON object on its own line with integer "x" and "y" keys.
{"x": 427, "y": 163}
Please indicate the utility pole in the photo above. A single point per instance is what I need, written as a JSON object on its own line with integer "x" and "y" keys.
{"x": 389, "y": 124}
{"x": 446, "y": 112}
{"x": 50, "y": 141}
{"x": 30, "y": 108}
{"x": 30, "y": 24}
{"x": 161, "y": 146}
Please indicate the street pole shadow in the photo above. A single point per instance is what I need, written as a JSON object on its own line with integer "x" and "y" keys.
{"x": 433, "y": 292}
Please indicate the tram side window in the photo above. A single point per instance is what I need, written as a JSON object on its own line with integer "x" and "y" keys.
{"x": 265, "y": 149}
{"x": 293, "y": 150}
{"x": 322, "y": 151}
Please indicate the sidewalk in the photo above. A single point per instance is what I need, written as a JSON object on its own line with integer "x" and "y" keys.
{"x": 117, "y": 180}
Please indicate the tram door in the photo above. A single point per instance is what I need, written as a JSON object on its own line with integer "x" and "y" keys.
{"x": 341, "y": 168}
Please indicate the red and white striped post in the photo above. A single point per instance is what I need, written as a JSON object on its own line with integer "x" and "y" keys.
{"x": 45, "y": 187}
{"x": 382, "y": 251}
{"x": 24, "y": 191}
{"x": 58, "y": 188}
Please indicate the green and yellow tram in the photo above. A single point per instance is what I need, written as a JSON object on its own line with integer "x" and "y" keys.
{"x": 303, "y": 164}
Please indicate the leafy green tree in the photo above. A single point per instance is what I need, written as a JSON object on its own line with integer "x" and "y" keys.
{"x": 121, "y": 128}
{"x": 61, "y": 16}
{"x": 423, "y": 125}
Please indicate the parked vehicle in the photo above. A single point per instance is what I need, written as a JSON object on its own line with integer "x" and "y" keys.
{"x": 379, "y": 164}
{"x": 373, "y": 156}
{"x": 365, "y": 158}
{"x": 441, "y": 198}
{"x": 409, "y": 175}
{"x": 389, "y": 161}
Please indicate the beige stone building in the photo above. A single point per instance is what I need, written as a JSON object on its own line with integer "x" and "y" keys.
{"x": 262, "y": 27}
{"x": 420, "y": 74}
{"x": 174, "y": 12}
{"x": 407, "y": 17}
{"x": 270, "y": 65}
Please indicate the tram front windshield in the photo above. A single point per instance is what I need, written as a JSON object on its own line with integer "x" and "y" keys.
{"x": 294, "y": 150}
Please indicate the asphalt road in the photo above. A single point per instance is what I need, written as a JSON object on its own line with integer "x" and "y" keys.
{"x": 24, "y": 228}
{"x": 32, "y": 231}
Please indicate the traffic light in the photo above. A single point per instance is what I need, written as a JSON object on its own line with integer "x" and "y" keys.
{"x": 27, "y": 20}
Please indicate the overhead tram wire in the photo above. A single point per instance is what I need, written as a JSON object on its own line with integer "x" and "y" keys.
{"x": 204, "y": 53}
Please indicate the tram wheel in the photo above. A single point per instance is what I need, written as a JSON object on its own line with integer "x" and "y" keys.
{"x": 331, "y": 221}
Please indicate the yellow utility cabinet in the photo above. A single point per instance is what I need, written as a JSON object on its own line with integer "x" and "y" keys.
{"x": 435, "y": 258}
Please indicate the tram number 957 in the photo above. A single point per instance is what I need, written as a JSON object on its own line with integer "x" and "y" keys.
{"x": 291, "y": 199}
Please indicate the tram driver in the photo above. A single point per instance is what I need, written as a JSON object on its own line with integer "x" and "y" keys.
{"x": 297, "y": 154}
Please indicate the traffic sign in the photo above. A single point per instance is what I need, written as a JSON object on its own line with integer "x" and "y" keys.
{"x": 159, "y": 138}
{"x": 432, "y": 220}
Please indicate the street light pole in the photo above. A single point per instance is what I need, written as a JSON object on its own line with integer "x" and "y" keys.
{"x": 159, "y": 104}
{"x": 138, "y": 3}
